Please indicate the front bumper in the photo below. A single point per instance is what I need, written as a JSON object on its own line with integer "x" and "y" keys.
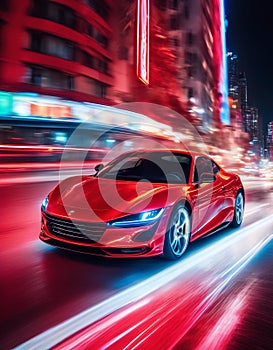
{"x": 112, "y": 242}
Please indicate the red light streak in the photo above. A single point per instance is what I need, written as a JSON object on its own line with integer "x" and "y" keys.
{"x": 143, "y": 21}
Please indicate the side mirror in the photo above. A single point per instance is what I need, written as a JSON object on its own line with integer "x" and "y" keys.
{"x": 98, "y": 167}
{"x": 207, "y": 178}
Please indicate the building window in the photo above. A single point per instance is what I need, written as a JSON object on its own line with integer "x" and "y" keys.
{"x": 39, "y": 8}
{"x": 186, "y": 12}
{"x": 51, "y": 45}
{"x": 175, "y": 22}
{"x": 54, "y": 12}
{"x": 100, "y": 89}
{"x": 87, "y": 29}
{"x": 99, "y": 37}
{"x": 102, "y": 66}
{"x": 85, "y": 59}
{"x": 99, "y": 6}
{"x": 66, "y": 16}
{"x": 49, "y": 78}
{"x": 93, "y": 87}
{"x": 62, "y": 14}
{"x": 93, "y": 62}
{"x": 190, "y": 39}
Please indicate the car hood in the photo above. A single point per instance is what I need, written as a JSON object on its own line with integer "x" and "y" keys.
{"x": 96, "y": 199}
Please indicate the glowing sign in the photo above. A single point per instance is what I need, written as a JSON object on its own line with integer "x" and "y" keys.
{"x": 224, "y": 78}
{"x": 143, "y": 21}
{"x": 53, "y": 111}
{"x": 5, "y": 103}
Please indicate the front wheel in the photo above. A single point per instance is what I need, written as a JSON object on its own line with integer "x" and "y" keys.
{"x": 178, "y": 234}
{"x": 238, "y": 210}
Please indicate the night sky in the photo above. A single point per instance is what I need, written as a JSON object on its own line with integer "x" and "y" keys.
{"x": 250, "y": 36}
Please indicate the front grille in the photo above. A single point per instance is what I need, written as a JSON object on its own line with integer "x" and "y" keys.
{"x": 87, "y": 232}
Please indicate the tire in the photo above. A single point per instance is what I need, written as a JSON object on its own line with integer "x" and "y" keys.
{"x": 238, "y": 210}
{"x": 178, "y": 233}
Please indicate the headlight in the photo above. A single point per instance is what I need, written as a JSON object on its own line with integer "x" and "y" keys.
{"x": 141, "y": 219}
{"x": 44, "y": 204}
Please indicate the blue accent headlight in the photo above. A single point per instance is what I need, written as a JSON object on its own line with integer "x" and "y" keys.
{"x": 44, "y": 204}
{"x": 141, "y": 219}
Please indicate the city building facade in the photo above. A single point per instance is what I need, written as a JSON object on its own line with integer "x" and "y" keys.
{"x": 86, "y": 50}
{"x": 243, "y": 97}
{"x": 270, "y": 141}
{"x": 58, "y": 48}
{"x": 233, "y": 77}
{"x": 187, "y": 35}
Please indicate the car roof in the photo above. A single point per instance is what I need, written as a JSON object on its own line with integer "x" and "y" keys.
{"x": 173, "y": 150}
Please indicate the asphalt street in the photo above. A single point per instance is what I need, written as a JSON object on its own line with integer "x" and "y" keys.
{"x": 219, "y": 296}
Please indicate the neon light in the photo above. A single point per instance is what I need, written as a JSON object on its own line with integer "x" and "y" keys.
{"x": 143, "y": 23}
{"x": 53, "y": 111}
{"x": 220, "y": 64}
{"x": 224, "y": 112}
{"x": 144, "y": 218}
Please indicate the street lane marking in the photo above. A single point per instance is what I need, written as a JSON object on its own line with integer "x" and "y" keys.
{"x": 200, "y": 309}
{"x": 256, "y": 209}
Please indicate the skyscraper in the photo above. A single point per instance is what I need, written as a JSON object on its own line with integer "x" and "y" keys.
{"x": 233, "y": 76}
{"x": 270, "y": 140}
{"x": 242, "y": 98}
{"x": 252, "y": 124}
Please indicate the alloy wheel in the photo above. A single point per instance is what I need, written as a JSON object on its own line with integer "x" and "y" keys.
{"x": 180, "y": 231}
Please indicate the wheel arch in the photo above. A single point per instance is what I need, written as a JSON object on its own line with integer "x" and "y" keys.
{"x": 185, "y": 203}
{"x": 241, "y": 190}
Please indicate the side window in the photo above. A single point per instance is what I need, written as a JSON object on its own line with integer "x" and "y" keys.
{"x": 215, "y": 168}
{"x": 203, "y": 165}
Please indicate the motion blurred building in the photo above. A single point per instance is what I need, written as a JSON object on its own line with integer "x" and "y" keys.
{"x": 58, "y": 48}
{"x": 189, "y": 35}
{"x": 270, "y": 141}
{"x": 233, "y": 77}
{"x": 238, "y": 92}
{"x": 252, "y": 124}
{"x": 242, "y": 97}
{"x": 86, "y": 50}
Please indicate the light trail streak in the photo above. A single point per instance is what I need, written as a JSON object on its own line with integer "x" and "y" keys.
{"x": 208, "y": 301}
{"x": 220, "y": 334}
{"x": 86, "y": 335}
{"x": 256, "y": 209}
{"x": 49, "y": 148}
{"x": 141, "y": 290}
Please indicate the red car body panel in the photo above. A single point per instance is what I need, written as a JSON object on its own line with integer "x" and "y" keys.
{"x": 96, "y": 201}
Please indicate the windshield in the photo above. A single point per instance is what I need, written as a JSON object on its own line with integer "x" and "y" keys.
{"x": 156, "y": 167}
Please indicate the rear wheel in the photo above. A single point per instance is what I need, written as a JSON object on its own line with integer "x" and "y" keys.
{"x": 238, "y": 210}
{"x": 178, "y": 234}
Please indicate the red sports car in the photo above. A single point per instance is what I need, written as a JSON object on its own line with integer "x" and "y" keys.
{"x": 143, "y": 203}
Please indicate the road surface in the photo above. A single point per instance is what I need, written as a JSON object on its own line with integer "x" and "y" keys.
{"x": 219, "y": 296}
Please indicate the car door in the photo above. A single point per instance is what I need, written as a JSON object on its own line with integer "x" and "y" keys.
{"x": 210, "y": 196}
